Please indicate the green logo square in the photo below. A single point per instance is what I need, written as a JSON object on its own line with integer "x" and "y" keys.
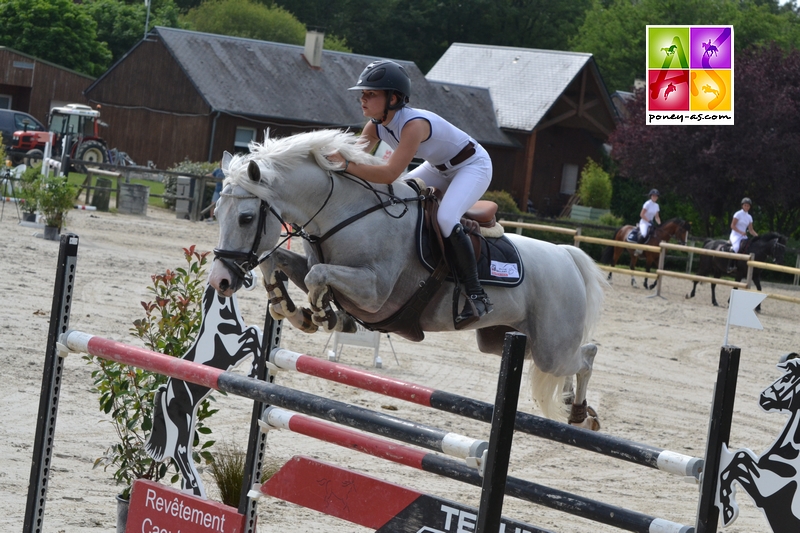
{"x": 668, "y": 47}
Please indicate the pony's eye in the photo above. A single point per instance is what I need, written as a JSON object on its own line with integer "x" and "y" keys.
{"x": 245, "y": 219}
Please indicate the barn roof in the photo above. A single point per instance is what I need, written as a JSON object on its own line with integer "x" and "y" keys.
{"x": 273, "y": 80}
{"x": 524, "y": 83}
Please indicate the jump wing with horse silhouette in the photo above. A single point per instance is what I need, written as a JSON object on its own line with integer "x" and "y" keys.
{"x": 361, "y": 254}
{"x": 771, "y": 479}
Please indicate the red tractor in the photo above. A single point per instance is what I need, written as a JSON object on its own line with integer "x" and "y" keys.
{"x": 78, "y": 123}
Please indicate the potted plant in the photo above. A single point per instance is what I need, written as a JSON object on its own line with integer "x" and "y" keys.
{"x": 594, "y": 193}
{"x": 55, "y": 198}
{"x": 28, "y": 191}
{"x": 171, "y": 322}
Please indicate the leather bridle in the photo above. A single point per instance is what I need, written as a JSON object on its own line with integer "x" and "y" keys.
{"x": 241, "y": 263}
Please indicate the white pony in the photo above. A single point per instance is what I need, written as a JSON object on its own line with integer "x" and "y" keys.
{"x": 362, "y": 255}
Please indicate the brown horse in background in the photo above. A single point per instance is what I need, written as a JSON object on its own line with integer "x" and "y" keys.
{"x": 674, "y": 228}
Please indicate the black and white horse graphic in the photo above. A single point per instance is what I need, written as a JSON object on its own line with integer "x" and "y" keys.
{"x": 771, "y": 479}
{"x": 223, "y": 342}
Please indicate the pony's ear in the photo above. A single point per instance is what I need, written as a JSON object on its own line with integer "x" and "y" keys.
{"x": 253, "y": 172}
{"x": 226, "y": 161}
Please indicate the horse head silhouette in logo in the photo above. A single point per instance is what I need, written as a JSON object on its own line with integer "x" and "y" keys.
{"x": 222, "y": 342}
{"x": 709, "y": 48}
{"x": 670, "y": 50}
{"x": 772, "y": 479}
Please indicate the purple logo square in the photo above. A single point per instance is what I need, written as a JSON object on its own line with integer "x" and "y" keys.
{"x": 710, "y": 47}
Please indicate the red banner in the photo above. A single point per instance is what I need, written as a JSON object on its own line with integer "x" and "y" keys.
{"x": 155, "y": 508}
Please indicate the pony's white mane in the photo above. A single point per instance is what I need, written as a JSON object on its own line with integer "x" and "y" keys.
{"x": 276, "y": 155}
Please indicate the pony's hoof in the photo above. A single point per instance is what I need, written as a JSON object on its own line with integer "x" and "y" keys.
{"x": 590, "y": 422}
{"x": 584, "y": 416}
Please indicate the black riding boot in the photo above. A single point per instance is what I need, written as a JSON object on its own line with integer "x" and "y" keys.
{"x": 462, "y": 259}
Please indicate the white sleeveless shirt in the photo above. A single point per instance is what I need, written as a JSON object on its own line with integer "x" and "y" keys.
{"x": 444, "y": 143}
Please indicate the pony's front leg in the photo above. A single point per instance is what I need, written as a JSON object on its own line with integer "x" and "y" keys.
{"x": 582, "y": 415}
{"x": 358, "y": 285}
{"x": 281, "y": 305}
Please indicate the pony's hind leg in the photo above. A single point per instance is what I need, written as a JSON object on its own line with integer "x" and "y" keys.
{"x": 581, "y": 414}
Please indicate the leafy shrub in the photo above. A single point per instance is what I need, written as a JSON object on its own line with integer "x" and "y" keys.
{"x": 193, "y": 168}
{"x": 172, "y": 321}
{"x": 595, "y": 187}
{"x": 505, "y": 202}
{"x": 610, "y": 219}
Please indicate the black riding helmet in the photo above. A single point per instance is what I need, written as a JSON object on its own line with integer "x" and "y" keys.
{"x": 386, "y": 76}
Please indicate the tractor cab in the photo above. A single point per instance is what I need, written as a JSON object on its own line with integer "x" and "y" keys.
{"x": 75, "y": 119}
{"x": 78, "y": 123}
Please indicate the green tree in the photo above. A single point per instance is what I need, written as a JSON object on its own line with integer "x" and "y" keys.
{"x": 121, "y": 25}
{"x": 245, "y": 18}
{"x": 595, "y": 186}
{"x": 421, "y": 30}
{"x": 614, "y": 30}
{"x": 59, "y": 31}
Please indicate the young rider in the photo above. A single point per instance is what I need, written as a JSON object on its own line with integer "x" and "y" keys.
{"x": 741, "y": 224}
{"x": 454, "y": 163}
{"x": 649, "y": 212}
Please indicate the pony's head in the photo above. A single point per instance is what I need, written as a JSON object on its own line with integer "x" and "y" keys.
{"x": 770, "y": 244}
{"x": 780, "y": 396}
{"x": 676, "y": 228}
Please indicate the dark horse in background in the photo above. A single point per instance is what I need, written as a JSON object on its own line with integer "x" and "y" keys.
{"x": 771, "y": 478}
{"x": 673, "y": 228}
{"x": 767, "y": 245}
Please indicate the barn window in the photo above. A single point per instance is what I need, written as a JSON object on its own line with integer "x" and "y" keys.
{"x": 569, "y": 179}
{"x": 244, "y": 136}
{"x": 5, "y": 101}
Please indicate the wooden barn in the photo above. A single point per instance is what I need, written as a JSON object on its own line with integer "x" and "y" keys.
{"x": 553, "y": 104}
{"x": 187, "y": 95}
{"x": 34, "y": 86}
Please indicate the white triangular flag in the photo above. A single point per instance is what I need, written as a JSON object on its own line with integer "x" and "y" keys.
{"x": 741, "y": 310}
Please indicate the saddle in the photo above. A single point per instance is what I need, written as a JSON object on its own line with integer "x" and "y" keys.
{"x": 405, "y": 322}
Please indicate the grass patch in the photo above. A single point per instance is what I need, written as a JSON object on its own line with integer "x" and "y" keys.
{"x": 156, "y": 188}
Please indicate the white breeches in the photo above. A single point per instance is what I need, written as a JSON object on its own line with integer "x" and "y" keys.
{"x": 736, "y": 241}
{"x": 644, "y": 228}
{"x": 463, "y": 185}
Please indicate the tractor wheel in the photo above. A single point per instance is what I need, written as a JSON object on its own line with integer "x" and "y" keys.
{"x": 90, "y": 152}
{"x": 32, "y": 157}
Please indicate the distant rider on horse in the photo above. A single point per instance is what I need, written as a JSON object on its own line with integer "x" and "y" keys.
{"x": 741, "y": 225}
{"x": 649, "y": 212}
{"x": 454, "y": 163}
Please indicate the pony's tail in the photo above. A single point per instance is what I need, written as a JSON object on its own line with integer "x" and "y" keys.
{"x": 156, "y": 444}
{"x": 547, "y": 389}
{"x": 595, "y": 281}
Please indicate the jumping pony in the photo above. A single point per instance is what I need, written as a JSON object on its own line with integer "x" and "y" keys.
{"x": 676, "y": 228}
{"x": 361, "y": 253}
{"x": 763, "y": 246}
